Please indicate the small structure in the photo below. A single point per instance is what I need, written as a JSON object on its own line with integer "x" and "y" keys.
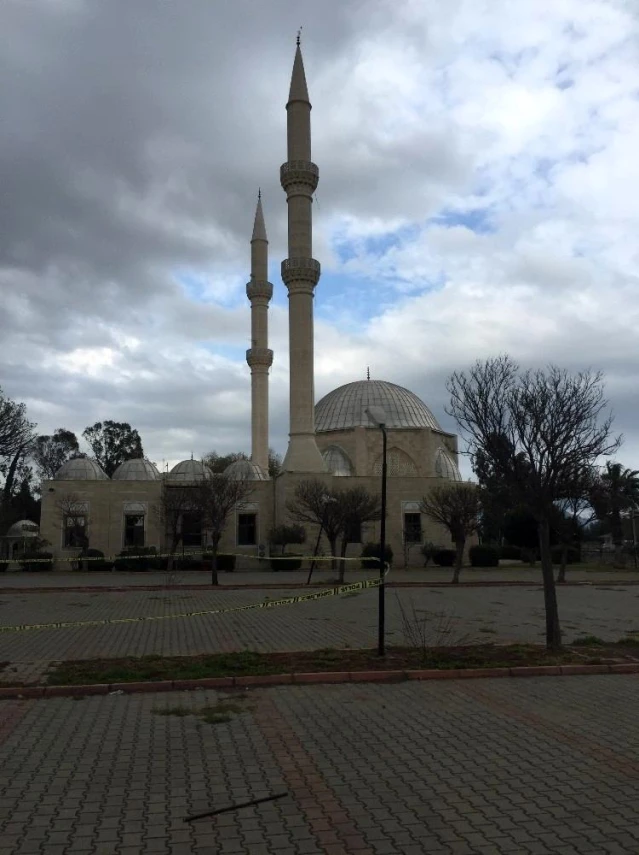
{"x": 18, "y": 539}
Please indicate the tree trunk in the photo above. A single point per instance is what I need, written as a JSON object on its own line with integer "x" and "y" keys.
{"x": 342, "y": 563}
{"x": 553, "y": 631}
{"x": 459, "y": 559}
{"x": 214, "y": 579}
{"x": 333, "y": 545}
{"x": 561, "y": 576}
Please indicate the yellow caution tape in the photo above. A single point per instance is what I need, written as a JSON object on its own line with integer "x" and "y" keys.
{"x": 267, "y": 604}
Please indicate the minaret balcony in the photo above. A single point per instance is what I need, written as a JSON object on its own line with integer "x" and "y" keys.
{"x": 301, "y": 173}
{"x": 259, "y": 289}
{"x": 296, "y": 270}
{"x": 259, "y": 357}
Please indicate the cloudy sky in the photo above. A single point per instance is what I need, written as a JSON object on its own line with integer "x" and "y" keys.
{"x": 479, "y": 194}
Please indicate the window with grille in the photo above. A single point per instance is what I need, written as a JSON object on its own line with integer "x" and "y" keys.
{"x": 247, "y": 529}
{"x": 398, "y": 464}
{"x": 191, "y": 529}
{"x": 75, "y": 531}
{"x": 412, "y": 528}
{"x": 133, "y": 530}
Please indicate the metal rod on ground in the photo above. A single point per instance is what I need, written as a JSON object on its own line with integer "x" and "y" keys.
{"x": 317, "y": 543}
{"x": 234, "y": 807}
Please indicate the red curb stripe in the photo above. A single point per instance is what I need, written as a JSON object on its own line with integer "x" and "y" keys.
{"x": 265, "y": 680}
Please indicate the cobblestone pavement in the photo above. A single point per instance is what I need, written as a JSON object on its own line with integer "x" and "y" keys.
{"x": 511, "y": 573}
{"x": 526, "y": 767}
{"x": 470, "y": 614}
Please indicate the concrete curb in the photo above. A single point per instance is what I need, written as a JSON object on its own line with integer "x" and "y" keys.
{"x": 265, "y": 680}
{"x": 285, "y": 586}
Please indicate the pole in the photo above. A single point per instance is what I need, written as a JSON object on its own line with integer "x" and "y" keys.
{"x": 319, "y": 537}
{"x": 381, "y": 649}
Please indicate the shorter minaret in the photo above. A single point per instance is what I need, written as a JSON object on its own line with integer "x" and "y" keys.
{"x": 259, "y": 291}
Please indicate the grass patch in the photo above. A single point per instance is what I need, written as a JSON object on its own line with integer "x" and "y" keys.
{"x": 587, "y": 641}
{"x": 220, "y": 713}
{"x": 398, "y": 658}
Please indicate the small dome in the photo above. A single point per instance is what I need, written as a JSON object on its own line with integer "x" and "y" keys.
{"x": 346, "y": 407}
{"x": 23, "y": 528}
{"x": 245, "y": 470}
{"x": 337, "y": 461}
{"x": 138, "y": 469}
{"x": 81, "y": 469}
{"x": 445, "y": 466}
{"x": 189, "y": 470}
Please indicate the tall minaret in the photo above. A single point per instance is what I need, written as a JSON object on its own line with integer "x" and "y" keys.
{"x": 300, "y": 272}
{"x": 259, "y": 291}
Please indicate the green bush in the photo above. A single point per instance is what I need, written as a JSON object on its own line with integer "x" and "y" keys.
{"x": 282, "y": 535}
{"x": 483, "y": 555}
{"x": 98, "y": 561}
{"x": 225, "y": 562}
{"x": 511, "y": 553}
{"x": 139, "y": 558}
{"x": 444, "y": 557}
{"x": 287, "y": 562}
{"x": 574, "y": 555}
{"x": 371, "y": 554}
{"x": 33, "y": 561}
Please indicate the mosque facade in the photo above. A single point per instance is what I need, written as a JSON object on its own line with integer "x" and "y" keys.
{"x": 332, "y": 440}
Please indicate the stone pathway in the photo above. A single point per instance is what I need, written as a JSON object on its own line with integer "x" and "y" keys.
{"x": 453, "y": 616}
{"x": 526, "y": 767}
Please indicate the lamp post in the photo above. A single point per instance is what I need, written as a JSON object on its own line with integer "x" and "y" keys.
{"x": 378, "y": 417}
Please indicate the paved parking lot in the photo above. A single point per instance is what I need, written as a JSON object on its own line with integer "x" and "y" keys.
{"x": 455, "y": 615}
{"x": 481, "y": 767}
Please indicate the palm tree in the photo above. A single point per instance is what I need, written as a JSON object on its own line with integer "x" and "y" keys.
{"x": 616, "y": 492}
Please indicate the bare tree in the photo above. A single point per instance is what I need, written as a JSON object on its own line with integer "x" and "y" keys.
{"x": 338, "y": 513}
{"x": 16, "y": 431}
{"x": 457, "y": 507}
{"x": 355, "y": 506}
{"x": 314, "y": 503}
{"x": 74, "y": 522}
{"x": 217, "y": 498}
{"x": 176, "y": 501}
{"x": 539, "y": 431}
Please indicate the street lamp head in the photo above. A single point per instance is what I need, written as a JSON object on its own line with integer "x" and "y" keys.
{"x": 377, "y": 415}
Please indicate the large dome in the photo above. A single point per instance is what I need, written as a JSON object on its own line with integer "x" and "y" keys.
{"x": 137, "y": 469}
{"x": 346, "y": 407}
{"x": 81, "y": 469}
{"x": 244, "y": 470}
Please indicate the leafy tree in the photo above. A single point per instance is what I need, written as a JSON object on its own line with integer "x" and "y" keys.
{"x": 457, "y": 507}
{"x": 520, "y": 528}
{"x": 16, "y": 431}
{"x": 540, "y": 431}
{"x": 282, "y": 535}
{"x": 356, "y": 507}
{"x": 614, "y": 493}
{"x": 49, "y": 453}
{"x": 112, "y": 443}
{"x": 573, "y": 516}
{"x": 216, "y": 498}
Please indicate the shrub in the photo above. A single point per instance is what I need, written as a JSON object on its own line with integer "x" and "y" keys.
{"x": 371, "y": 554}
{"x": 510, "y": 553}
{"x": 573, "y": 557}
{"x": 225, "y": 562}
{"x": 139, "y": 558}
{"x": 444, "y": 557}
{"x": 483, "y": 555}
{"x": 288, "y": 562}
{"x": 34, "y": 561}
{"x": 98, "y": 561}
{"x": 3, "y": 565}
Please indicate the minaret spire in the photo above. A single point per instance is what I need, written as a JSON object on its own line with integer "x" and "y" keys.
{"x": 259, "y": 291}
{"x": 300, "y": 272}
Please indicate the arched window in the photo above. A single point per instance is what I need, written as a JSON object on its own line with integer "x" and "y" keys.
{"x": 337, "y": 461}
{"x": 399, "y": 464}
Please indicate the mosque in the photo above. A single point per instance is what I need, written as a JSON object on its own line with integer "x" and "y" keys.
{"x": 330, "y": 440}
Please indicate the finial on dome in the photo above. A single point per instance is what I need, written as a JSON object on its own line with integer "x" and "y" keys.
{"x": 299, "y": 37}
{"x": 259, "y": 193}
{"x": 368, "y": 373}
{"x": 191, "y": 455}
